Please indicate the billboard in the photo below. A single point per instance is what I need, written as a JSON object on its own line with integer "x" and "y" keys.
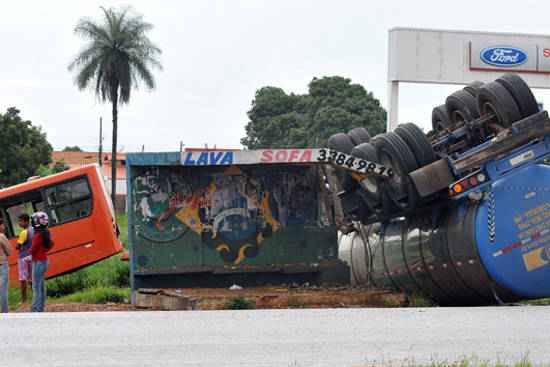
{"x": 460, "y": 57}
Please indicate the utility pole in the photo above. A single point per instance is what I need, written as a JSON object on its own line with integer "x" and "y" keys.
{"x": 181, "y": 146}
{"x": 100, "y": 141}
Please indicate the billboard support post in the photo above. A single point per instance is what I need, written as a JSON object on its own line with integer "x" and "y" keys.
{"x": 393, "y": 105}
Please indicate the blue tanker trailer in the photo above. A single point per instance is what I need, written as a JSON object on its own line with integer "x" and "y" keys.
{"x": 461, "y": 214}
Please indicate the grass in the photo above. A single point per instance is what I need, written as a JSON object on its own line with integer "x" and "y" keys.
{"x": 476, "y": 362}
{"x": 98, "y": 295}
{"x": 464, "y": 362}
{"x": 105, "y": 281}
{"x": 537, "y": 302}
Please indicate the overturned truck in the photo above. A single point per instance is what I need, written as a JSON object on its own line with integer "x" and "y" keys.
{"x": 461, "y": 214}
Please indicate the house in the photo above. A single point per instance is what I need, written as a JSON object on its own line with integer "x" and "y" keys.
{"x": 77, "y": 159}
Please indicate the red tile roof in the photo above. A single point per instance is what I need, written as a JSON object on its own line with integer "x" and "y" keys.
{"x": 77, "y": 159}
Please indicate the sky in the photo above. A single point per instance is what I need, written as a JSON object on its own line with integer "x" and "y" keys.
{"x": 216, "y": 54}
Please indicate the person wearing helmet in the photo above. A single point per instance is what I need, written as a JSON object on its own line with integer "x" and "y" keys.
{"x": 41, "y": 244}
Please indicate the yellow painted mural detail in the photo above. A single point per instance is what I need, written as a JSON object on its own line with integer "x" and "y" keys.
{"x": 534, "y": 259}
{"x": 241, "y": 256}
{"x": 222, "y": 247}
{"x": 266, "y": 211}
{"x": 189, "y": 215}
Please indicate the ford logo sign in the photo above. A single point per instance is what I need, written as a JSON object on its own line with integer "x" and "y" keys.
{"x": 503, "y": 56}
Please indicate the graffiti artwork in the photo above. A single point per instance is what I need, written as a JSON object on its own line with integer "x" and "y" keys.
{"x": 232, "y": 210}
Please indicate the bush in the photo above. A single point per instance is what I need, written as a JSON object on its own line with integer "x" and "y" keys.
{"x": 67, "y": 284}
{"x": 239, "y": 303}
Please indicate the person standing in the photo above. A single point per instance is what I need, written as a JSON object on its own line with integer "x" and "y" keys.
{"x": 5, "y": 251}
{"x": 24, "y": 261}
{"x": 41, "y": 244}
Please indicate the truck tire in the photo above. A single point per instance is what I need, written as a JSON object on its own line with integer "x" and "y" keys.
{"x": 461, "y": 107}
{"x": 521, "y": 93}
{"x": 473, "y": 88}
{"x": 372, "y": 195}
{"x": 418, "y": 143}
{"x": 494, "y": 98}
{"x": 394, "y": 153}
{"x": 440, "y": 118}
{"x": 359, "y": 135}
{"x": 340, "y": 142}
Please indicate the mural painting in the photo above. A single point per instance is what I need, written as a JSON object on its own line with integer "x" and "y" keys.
{"x": 232, "y": 210}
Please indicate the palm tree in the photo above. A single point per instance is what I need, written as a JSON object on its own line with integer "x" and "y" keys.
{"x": 118, "y": 56}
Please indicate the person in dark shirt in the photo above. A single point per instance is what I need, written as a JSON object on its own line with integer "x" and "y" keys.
{"x": 41, "y": 244}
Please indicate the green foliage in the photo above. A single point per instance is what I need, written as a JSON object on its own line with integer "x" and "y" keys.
{"x": 98, "y": 295}
{"x": 122, "y": 222}
{"x": 14, "y": 297}
{"x": 333, "y": 104}
{"x": 58, "y": 166}
{"x": 239, "y": 303}
{"x": 117, "y": 56}
{"x": 76, "y": 148}
{"x": 24, "y": 148}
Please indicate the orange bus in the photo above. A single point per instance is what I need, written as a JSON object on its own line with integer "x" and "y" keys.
{"x": 82, "y": 219}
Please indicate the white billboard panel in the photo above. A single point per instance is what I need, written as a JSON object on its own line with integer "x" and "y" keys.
{"x": 460, "y": 57}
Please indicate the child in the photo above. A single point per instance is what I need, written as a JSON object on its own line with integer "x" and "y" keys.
{"x": 24, "y": 262}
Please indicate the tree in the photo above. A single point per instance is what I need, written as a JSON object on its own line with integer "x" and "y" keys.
{"x": 333, "y": 104}
{"x": 76, "y": 148}
{"x": 117, "y": 57}
{"x": 24, "y": 148}
{"x": 57, "y": 167}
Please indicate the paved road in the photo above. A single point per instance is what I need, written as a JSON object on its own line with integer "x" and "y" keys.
{"x": 341, "y": 337}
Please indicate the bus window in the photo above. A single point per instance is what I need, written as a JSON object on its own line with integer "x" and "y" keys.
{"x": 13, "y": 214}
{"x": 27, "y": 202}
{"x": 69, "y": 201}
